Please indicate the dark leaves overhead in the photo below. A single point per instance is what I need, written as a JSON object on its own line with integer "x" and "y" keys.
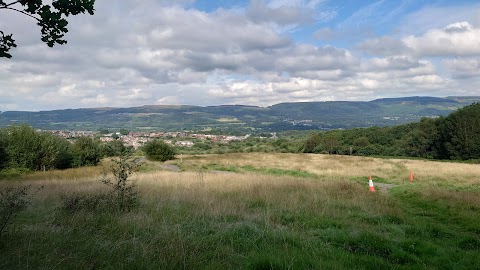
{"x": 6, "y": 42}
{"x": 51, "y": 19}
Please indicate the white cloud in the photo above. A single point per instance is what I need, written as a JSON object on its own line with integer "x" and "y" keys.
{"x": 457, "y": 39}
{"x": 436, "y": 17}
{"x": 384, "y": 46}
{"x": 133, "y": 53}
{"x": 463, "y": 68}
{"x": 286, "y": 13}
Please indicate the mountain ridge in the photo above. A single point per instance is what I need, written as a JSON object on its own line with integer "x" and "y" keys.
{"x": 245, "y": 118}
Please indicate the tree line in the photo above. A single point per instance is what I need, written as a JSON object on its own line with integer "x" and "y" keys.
{"x": 22, "y": 147}
{"x": 455, "y": 137}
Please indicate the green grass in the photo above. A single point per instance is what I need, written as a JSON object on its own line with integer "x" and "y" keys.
{"x": 261, "y": 170}
{"x": 279, "y": 172}
{"x": 422, "y": 234}
{"x": 252, "y": 221}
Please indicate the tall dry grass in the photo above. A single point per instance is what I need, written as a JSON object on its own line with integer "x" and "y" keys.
{"x": 343, "y": 167}
{"x": 328, "y": 165}
{"x": 193, "y": 218}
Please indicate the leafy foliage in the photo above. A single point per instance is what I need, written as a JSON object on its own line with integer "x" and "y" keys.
{"x": 51, "y": 19}
{"x": 13, "y": 200}
{"x": 462, "y": 133}
{"x": 86, "y": 152}
{"x": 6, "y": 43}
{"x": 3, "y": 149}
{"x": 26, "y": 148}
{"x": 123, "y": 188}
{"x": 114, "y": 148}
{"x": 158, "y": 151}
{"x": 455, "y": 137}
{"x": 22, "y": 149}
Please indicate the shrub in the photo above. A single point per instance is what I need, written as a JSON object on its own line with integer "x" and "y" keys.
{"x": 23, "y": 147}
{"x": 124, "y": 193}
{"x": 3, "y": 150}
{"x": 13, "y": 200}
{"x": 158, "y": 151}
{"x": 75, "y": 202}
{"x": 86, "y": 152}
{"x": 114, "y": 148}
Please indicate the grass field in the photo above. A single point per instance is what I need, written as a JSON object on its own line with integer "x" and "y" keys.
{"x": 256, "y": 211}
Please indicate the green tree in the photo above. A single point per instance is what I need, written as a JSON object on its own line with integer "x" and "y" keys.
{"x": 331, "y": 144}
{"x": 462, "y": 133}
{"x": 24, "y": 146}
{"x": 3, "y": 149}
{"x": 54, "y": 152}
{"x": 124, "y": 189}
{"x": 114, "y": 148}
{"x": 124, "y": 132}
{"x": 50, "y": 17}
{"x": 419, "y": 142}
{"x": 27, "y": 148}
{"x": 361, "y": 141}
{"x": 104, "y": 131}
{"x": 158, "y": 151}
{"x": 86, "y": 152}
{"x": 313, "y": 140}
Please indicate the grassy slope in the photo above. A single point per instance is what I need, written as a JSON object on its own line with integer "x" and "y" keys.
{"x": 255, "y": 219}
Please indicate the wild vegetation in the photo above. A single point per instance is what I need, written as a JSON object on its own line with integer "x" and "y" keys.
{"x": 23, "y": 149}
{"x": 158, "y": 151}
{"x": 251, "y": 210}
{"x": 455, "y": 137}
{"x": 215, "y": 214}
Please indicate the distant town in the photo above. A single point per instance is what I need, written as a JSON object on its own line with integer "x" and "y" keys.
{"x": 137, "y": 139}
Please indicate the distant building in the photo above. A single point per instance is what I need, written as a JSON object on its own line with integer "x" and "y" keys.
{"x": 184, "y": 143}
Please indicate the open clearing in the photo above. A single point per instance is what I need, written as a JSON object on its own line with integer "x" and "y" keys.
{"x": 272, "y": 211}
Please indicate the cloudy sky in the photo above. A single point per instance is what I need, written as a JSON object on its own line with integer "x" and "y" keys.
{"x": 258, "y": 52}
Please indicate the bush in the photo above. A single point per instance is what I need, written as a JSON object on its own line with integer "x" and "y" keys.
{"x": 124, "y": 192}
{"x": 76, "y": 202}
{"x": 3, "y": 150}
{"x": 86, "y": 152}
{"x": 158, "y": 151}
{"x": 123, "y": 195}
{"x": 23, "y": 147}
{"x": 114, "y": 149}
{"x": 13, "y": 200}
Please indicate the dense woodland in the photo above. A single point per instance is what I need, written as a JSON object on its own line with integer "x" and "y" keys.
{"x": 455, "y": 137}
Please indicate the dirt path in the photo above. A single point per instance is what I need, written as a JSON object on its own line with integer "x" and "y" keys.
{"x": 170, "y": 167}
{"x": 383, "y": 187}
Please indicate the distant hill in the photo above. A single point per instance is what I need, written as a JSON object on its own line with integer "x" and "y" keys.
{"x": 242, "y": 118}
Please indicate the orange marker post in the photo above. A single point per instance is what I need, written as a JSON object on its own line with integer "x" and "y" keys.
{"x": 411, "y": 176}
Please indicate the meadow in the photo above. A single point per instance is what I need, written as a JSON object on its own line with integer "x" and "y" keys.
{"x": 255, "y": 211}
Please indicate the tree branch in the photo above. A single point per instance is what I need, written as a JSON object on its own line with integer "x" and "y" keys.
{"x": 13, "y": 3}
{"x": 21, "y": 11}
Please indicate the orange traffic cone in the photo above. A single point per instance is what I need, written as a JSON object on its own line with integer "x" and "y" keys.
{"x": 370, "y": 184}
{"x": 411, "y": 176}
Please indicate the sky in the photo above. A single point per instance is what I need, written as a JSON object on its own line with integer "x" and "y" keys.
{"x": 259, "y": 52}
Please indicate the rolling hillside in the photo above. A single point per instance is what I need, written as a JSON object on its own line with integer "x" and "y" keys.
{"x": 240, "y": 118}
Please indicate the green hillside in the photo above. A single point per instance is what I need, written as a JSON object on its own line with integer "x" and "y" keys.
{"x": 279, "y": 117}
